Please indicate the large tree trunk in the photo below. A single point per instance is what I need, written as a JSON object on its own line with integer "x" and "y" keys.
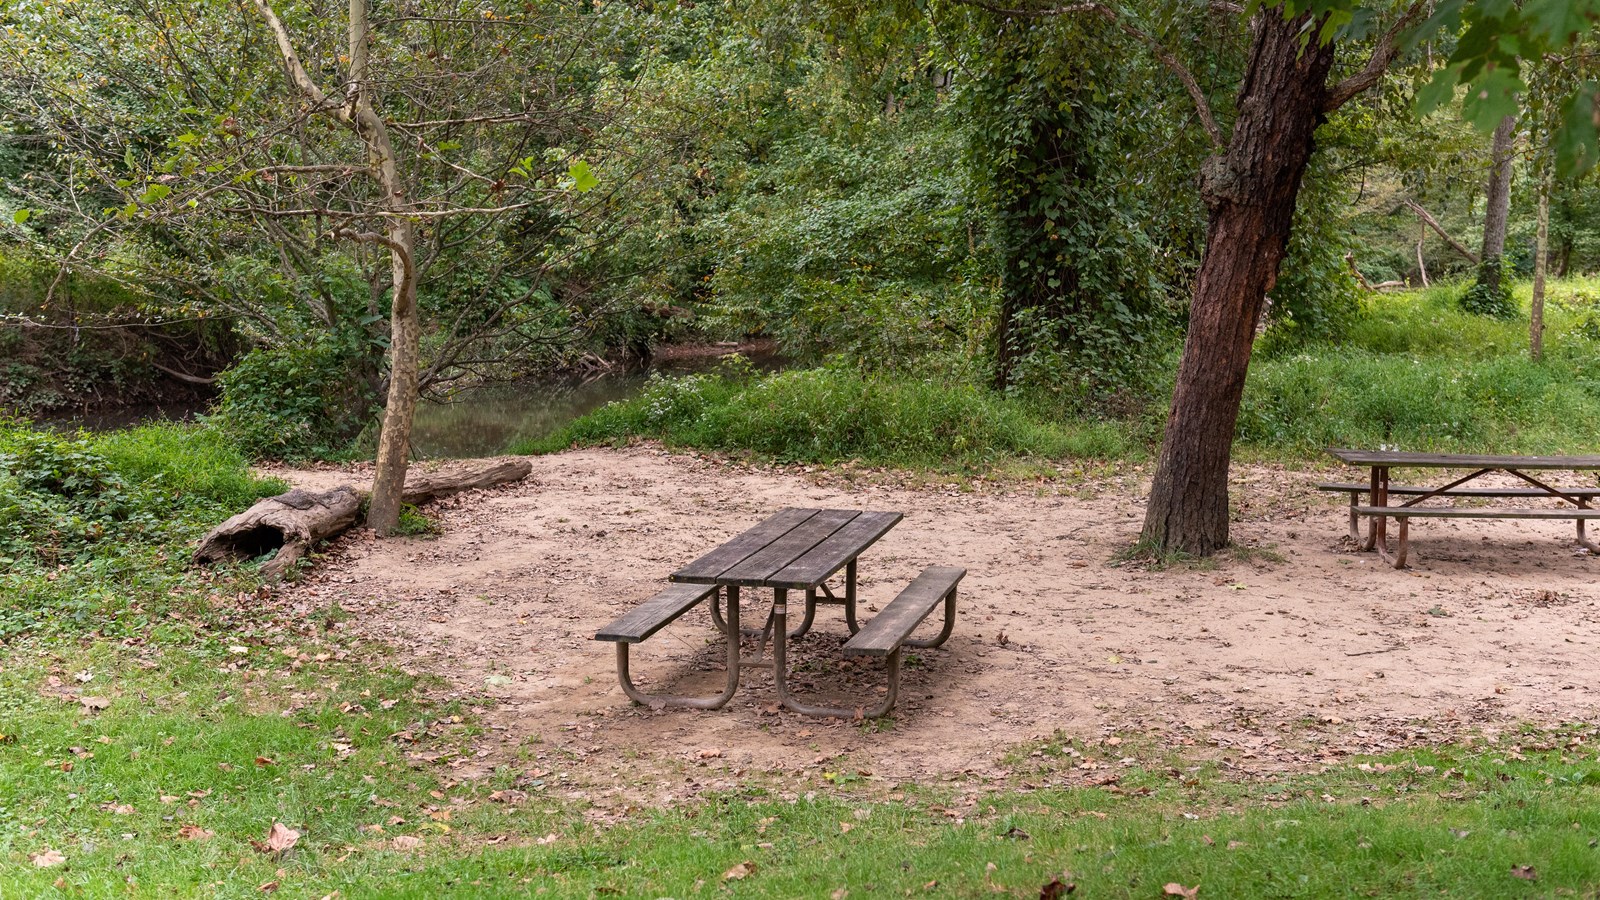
{"x": 1497, "y": 205}
{"x": 1250, "y": 192}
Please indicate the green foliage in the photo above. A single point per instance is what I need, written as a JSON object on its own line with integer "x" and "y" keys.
{"x": 1490, "y": 295}
{"x": 93, "y": 529}
{"x": 1093, "y": 235}
{"x": 413, "y": 523}
{"x": 835, "y": 414}
{"x": 295, "y": 402}
{"x": 1419, "y": 373}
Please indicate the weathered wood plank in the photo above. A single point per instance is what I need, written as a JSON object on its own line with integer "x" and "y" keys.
{"x": 652, "y": 615}
{"x": 1353, "y": 487}
{"x": 889, "y": 628}
{"x": 826, "y": 558}
{"x": 759, "y": 566}
{"x": 708, "y": 568}
{"x": 1398, "y": 458}
{"x": 1483, "y": 512}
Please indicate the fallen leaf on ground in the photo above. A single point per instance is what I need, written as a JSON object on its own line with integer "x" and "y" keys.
{"x": 1526, "y": 873}
{"x": 193, "y": 832}
{"x": 1174, "y": 889}
{"x": 508, "y": 796}
{"x": 406, "y": 842}
{"x": 44, "y": 859}
{"x": 280, "y": 838}
{"x": 742, "y": 870}
{"x": 94, "y": 704}
{"x": 267, "y": 888}
{"x": 265, "y": 761}
{"x": 1057, "y": 889}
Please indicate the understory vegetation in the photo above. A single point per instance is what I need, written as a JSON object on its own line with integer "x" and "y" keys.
{"x": 96, "y": 530}
{"x": 1413, "y": 370}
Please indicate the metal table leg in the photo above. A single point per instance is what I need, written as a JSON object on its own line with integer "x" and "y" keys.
{"x": 717, "y": 702}
{"x": 780, "y": 672}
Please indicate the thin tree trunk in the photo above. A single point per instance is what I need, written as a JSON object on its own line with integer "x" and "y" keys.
{"x": 1497, "y": 204}
{"x": 1250, "y": 194}
{"x": 1422, "y": 267}
{"x": 405, "y": 328}
{"x": 1541, "y": 263}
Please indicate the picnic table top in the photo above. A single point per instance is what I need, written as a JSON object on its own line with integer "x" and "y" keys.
{"x": 1398, "y": 458}
{"x": 794, "y": 548}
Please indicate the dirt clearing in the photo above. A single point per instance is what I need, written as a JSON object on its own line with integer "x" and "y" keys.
{"x": 1300, "y": 650}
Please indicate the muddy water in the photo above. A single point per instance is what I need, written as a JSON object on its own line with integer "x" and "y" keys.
{"x": 485, "y": 421}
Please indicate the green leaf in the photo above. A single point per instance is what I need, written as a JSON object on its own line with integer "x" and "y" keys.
{"x": 21, "y": 216}
{"x": 582, "y": 178}
{"x": 155, "y": 193}
{"x": 128, "y": 158}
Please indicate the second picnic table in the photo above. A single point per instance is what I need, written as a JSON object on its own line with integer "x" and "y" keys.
{"x": 1379, "y": 490}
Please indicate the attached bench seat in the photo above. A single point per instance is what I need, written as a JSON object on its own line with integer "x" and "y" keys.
{"x": 892, "y": 627}
{"x": 654, "y": 614}
{"x": 1404, "y": 514}
{"x": 890, "y": 630}
{"x": 1405, "y": 490}
{"x": 1475, "y": 512}
{"x": 650, "y": 617}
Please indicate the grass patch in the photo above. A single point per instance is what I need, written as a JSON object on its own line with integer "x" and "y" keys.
{"x": 1491, "y": 821}
{"x": 1417, "y": 373}
{"x": 95, "y": 529}
{"x": 830, "y": 415}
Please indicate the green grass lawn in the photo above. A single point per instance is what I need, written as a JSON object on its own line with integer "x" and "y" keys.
{"x": 1413, "y": 372}
{"x": 206, "y": 744}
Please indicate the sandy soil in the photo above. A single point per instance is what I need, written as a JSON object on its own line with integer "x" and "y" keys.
{"x": 1303, "y": 651}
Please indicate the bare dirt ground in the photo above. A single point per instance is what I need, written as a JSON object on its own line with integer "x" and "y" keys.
{"x": 1301, "y": 651}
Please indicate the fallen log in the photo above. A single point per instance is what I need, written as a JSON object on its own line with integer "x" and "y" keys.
{"x": 422, "y": 487}
{"x": 290, "y": 524}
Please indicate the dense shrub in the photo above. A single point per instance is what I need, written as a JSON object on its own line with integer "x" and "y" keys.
{"x": 294, "y": 402}
{"x": 833, "y": 414}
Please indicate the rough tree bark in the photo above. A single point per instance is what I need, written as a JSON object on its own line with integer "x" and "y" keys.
{"x": 358, "y": 113}
{"x": 1497, "y": 204}
{"x": 1250, "y": 193}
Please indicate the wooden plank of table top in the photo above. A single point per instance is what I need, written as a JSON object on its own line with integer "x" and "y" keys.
{"x": 1398, "y": 458}
{"x": 708, "y": 568}
{"x": 760, "y": 565}
{"x": 839, "y": 548}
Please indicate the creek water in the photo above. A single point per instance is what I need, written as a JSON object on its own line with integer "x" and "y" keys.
{"x": 481, "y": 421}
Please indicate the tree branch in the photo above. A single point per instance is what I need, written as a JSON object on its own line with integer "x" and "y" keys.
{"x": 1433, "y": 223}
{"x": 1378, "y": 64}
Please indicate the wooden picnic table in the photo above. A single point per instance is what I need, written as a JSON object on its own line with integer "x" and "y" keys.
{"x": 1380, "y": 491}
{"x": 793, "y": 550}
